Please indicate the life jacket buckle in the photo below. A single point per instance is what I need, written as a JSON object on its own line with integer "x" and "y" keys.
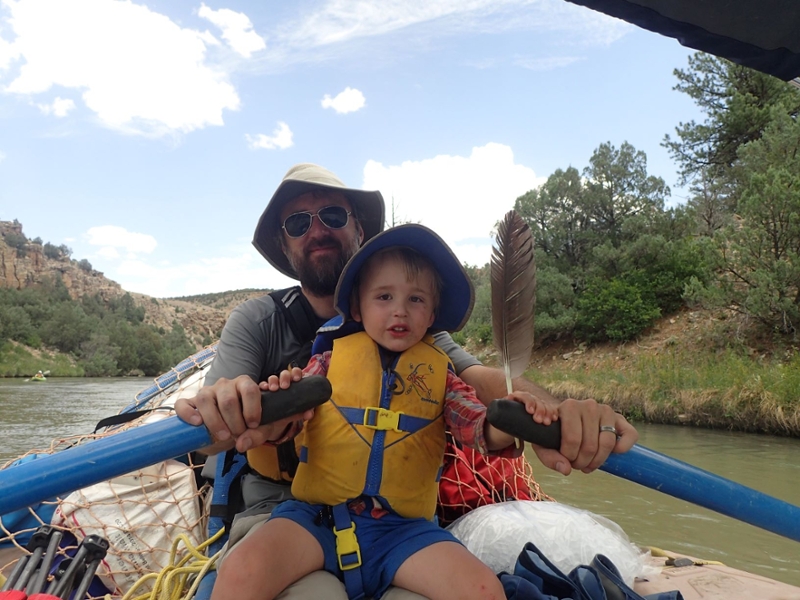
{"x": 382, "y": 419}
{"x": 348, "y": 551}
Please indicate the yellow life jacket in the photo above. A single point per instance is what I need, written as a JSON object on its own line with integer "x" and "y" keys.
{"x": 382, "y": 433}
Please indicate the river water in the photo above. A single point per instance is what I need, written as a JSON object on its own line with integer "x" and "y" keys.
{"x": 33, "y": 414}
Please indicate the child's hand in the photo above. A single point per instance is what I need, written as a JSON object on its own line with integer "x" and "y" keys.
{"x": 284, "y": 379}
{"x": 542, "y": 412}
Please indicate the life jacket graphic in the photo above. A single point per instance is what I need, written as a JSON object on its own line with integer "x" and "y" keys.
{"x": 418, "y": 385}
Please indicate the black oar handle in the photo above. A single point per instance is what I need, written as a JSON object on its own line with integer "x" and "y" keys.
{"x": 510, "y": 416}
{"x": 302, "y": 395}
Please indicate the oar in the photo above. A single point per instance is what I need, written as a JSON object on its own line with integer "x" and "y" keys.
{"x": 80, "y": 466}
{"x": 664, "y": 474}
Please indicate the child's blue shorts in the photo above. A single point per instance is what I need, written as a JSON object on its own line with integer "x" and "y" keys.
{"x": 385, "y": 542}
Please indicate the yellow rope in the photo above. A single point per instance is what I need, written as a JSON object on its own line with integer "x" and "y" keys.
{"x": 173, "y": 579}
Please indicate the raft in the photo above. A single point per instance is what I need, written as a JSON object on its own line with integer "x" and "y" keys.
{"x": 156, "y": 518}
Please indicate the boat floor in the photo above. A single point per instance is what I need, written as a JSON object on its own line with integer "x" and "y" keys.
{"x": 713, "y": 582}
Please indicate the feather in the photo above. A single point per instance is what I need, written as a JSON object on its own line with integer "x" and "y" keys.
{"x": 513, "y": 272}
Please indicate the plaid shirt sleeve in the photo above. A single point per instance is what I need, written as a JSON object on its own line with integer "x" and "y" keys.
{"x": 318, "y": 364}
{"x": 465, "y": 417}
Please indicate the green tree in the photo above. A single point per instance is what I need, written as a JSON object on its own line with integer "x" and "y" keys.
{"x": 713, "y": 201}
{"x": 149, "y": 349}
{"x": 738, "y": 104}
{"x": 556, "y": 312}
{"x": 16, "y": 324}
{"x": 618, "y": 189}
{"x": 558, "y": 218}
{"x": 99, "y": 356}
{"x": 68, "y": 327}
{"x": 176, "y": 346}
{"x": 758, "y": 255}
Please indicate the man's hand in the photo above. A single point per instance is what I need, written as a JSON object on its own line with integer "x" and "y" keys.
{"x": 584, "y": 445}
{"x": 231, "y": 410}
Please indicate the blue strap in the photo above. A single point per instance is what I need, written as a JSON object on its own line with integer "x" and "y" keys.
{"x": 332, "y": 330}
{"x": 350, "y": 557}
{"x": 372, "y": 417}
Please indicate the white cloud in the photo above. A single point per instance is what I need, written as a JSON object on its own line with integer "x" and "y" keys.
{"x": 421, "y": 22}
{"x": 59, "y": 108}
{"x": 459, "y": 197}
{"x": 280, "y": 138}
{"x": 112, "y": 237}
{"x": 108, "y": 252}
{"x": 7, "y": 54}
{"x": 237, "y": 29}
{"x": 2, "y": 156}
{"x": 244, "y": 268}
{"x": 350, "y": 100}
{"x": 137, "y": 70}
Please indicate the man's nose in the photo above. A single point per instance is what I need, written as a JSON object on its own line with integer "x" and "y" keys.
{"x": 316, "y": 228}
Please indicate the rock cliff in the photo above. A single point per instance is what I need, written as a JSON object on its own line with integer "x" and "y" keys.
{"x": 27, "y": 263}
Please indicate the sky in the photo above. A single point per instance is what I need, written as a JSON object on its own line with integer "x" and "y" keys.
{"x": 148, "y": 137}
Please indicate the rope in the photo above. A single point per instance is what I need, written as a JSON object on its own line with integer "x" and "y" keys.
{"x": 173, "y": 579}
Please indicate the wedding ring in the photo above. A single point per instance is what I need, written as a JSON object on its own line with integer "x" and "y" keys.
{"x": 610, "y": 428}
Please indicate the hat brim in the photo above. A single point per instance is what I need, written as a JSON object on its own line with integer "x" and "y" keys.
{"x": 457, "y": 294}
{"x": 368, "y": 205}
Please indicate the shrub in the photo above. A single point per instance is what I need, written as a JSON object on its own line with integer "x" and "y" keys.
{"x": 85, "y": 265}
{"x": 51, "y": 251}
{"x": 18, "y": 242}
{"x": 613, "y": 310}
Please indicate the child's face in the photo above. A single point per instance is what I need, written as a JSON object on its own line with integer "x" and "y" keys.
{"x": 396, "y": 312}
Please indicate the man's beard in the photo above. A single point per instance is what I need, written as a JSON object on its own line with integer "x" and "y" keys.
{"x": 321, "y": 275}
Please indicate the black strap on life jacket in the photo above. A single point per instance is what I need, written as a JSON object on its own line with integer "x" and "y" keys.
{"x": 301, "y": 319}
{"x": 299, "y": 316}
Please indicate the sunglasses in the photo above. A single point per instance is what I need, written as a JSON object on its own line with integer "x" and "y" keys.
{"x": 333, "y": 217}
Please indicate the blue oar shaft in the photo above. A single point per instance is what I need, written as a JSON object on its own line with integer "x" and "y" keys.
{"x": 664, "y": 474}
{"x": 87, "y": 464}
{"x": 681, "y": 480}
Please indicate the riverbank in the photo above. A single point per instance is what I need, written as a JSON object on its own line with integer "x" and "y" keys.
{"x": 17, "y": 360}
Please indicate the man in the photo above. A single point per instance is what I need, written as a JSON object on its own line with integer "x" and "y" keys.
{"x": 310, "y": 228}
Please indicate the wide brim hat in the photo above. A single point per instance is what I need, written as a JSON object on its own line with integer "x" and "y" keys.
{"x": 300, "y": 179}
{"x": 457, "y": 294}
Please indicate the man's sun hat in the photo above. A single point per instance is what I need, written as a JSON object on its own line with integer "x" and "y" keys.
{"x": 300, "y": 179}
{"x": 457, "y": 294}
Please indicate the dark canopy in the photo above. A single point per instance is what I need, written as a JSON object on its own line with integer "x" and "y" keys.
{"x": 760, "y": 34}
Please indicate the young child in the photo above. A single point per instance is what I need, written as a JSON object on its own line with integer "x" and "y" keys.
{"x": 367, "y": 480}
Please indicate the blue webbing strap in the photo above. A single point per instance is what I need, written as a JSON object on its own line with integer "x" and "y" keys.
{"x": 383, "y": 419}
{"x": 347, "y": 551}
{"x": 225, "y": 473}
